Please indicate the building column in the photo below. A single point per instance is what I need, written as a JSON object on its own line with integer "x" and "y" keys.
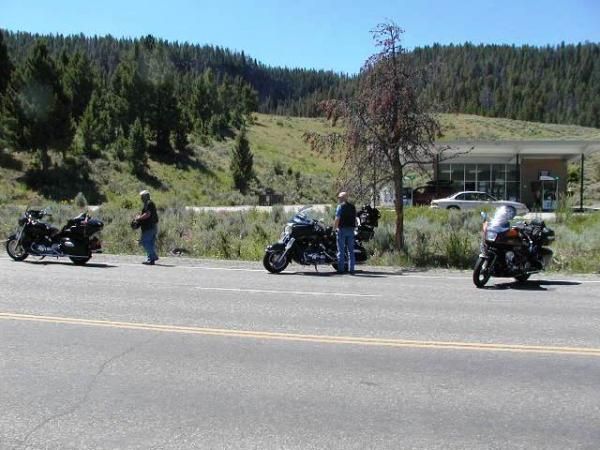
{"x": 581, "y": 182}
{"x": 519, "y": 172}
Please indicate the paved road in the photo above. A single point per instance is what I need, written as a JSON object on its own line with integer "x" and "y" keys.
{"x": 201, "y": 354}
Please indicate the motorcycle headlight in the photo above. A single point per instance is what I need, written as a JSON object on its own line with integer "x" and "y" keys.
{"x": 287, "y": 230}
{"x": 491, "y": 236}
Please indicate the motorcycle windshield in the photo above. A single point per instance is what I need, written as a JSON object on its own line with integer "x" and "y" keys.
{"x": 500, "y": 221}
{"x": 308, "y": 214}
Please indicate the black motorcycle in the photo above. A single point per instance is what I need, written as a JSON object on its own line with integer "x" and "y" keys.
{"x": 307, "y": 241}
{"x": 77, "y": 240}
{"x": 512, "y": 251}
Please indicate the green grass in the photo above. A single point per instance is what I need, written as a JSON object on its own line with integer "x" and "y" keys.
{"x": 465, "y": 126}
{"x": 283, "y": 162}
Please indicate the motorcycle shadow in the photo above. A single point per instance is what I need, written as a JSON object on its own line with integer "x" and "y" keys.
{"x": 531, "y": 285}
{"x": 65, "y": 263}
{"x": 357, "y": 274}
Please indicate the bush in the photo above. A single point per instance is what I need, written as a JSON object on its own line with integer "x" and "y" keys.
{"x": 80, "y": 200}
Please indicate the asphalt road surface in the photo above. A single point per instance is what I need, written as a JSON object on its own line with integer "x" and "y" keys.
{"x": 210, "y": 354}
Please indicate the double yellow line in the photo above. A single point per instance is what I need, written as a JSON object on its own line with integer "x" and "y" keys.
{"x": 320, "y": 339}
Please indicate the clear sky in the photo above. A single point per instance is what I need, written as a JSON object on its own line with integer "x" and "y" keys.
{"x": 323, "y": 34}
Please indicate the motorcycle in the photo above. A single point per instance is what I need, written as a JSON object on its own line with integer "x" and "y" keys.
{"x": 306, "y": 240}
{"x": 77, "y": 240}
{"x": 512, "y": 251}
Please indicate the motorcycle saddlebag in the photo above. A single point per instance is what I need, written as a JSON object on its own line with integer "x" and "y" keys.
{"x": 365, "y": 233}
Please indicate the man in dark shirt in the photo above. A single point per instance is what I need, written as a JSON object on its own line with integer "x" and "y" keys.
{"x": 345, "y": 223}
{"x": 148, "y": 221}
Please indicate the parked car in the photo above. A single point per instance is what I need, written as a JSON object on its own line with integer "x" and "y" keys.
{"x": 423, "y": 195}
{"x": 476, "y": 200}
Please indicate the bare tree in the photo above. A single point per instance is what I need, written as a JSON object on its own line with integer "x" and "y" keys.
{"x": 386, "y": 127}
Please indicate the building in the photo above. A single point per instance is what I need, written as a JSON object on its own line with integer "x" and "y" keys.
{"x": 531, "y": 171}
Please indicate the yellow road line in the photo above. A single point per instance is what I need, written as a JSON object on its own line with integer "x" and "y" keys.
{"x": 322, "y": 339}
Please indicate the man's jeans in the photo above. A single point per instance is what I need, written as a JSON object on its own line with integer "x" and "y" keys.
{"x": 148, "y": 241}
{"x": 345, "y": 243}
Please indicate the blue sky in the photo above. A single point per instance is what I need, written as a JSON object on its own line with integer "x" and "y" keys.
{"x": 323, "y": 34}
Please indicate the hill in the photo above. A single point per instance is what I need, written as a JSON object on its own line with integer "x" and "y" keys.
{"x": 553, "y": 84}
{"x": 283, "y": 162}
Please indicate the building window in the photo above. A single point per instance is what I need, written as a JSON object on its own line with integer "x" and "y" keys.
{"x": 499, "y": 180}
{"x": 512, "y": 191}
{"x": 444, "y": 172}
{"x": 457, "y": 173}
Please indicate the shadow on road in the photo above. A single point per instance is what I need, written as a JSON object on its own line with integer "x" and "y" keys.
{"x": 532, "y": 285}
{"x": 65, "y": 263}
{"x": 357, "y": 274}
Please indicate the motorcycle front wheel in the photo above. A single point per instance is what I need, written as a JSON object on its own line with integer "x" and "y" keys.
{"x": 481, "y": 272}
{"x": 15, "y": 250}
{"x": 275, "y": 261}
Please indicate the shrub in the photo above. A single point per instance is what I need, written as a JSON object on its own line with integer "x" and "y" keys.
{"x": 80, "y": 200}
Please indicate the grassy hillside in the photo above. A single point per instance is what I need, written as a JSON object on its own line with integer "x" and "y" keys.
{"x": 282, "y": 159}
{"x": 470, "y": 127}
{"x": 282, "y": 162}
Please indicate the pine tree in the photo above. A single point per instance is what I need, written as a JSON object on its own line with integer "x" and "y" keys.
{"x": 78, "y": 80}
{"x": 181, "y": 132}
{"x": 138, "y": 147}
{"x": 37, "y": 108}
{"x": 6, "y": 67}
{"x": 242, "y": 161}
{"x": 132, "y": 91}
{"x": 164, "y": 114}
{"x": 86, "y": 135}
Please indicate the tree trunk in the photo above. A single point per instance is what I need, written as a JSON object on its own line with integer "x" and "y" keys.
{"x": 375, "y": 190}
{"x": 44, "y": 159}
{"x": 399, "y": 205}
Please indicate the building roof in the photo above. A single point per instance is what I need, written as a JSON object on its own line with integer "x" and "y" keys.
{"x": 469, "y": 150}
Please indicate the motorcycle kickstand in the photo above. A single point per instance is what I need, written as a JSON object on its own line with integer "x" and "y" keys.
{"x": 316, "y": 268}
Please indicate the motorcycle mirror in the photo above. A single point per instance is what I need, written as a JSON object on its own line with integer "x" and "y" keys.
{"x": 484, "y": 216}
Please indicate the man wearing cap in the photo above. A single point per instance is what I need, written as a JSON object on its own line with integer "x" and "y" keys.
{"x": 345, "y": 222}
{"x": 148, "y": 221}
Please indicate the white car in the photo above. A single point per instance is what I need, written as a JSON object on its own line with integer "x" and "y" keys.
{"x": 476, "y": 200}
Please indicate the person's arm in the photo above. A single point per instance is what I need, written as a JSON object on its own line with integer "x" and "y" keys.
{"x": 145, "y": 215}
{"x": 336, "y": 222}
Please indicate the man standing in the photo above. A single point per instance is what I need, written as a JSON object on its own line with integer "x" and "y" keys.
{"x": 148, "y": 221}
{"x": 345, "y": 222}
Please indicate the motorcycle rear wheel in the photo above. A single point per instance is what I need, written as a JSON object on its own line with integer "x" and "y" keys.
{"x": 80, "y": 261}
{"x": 481, "y": 273}
{"x": 15, "y": 250}
{"x": 274, "y": 262}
